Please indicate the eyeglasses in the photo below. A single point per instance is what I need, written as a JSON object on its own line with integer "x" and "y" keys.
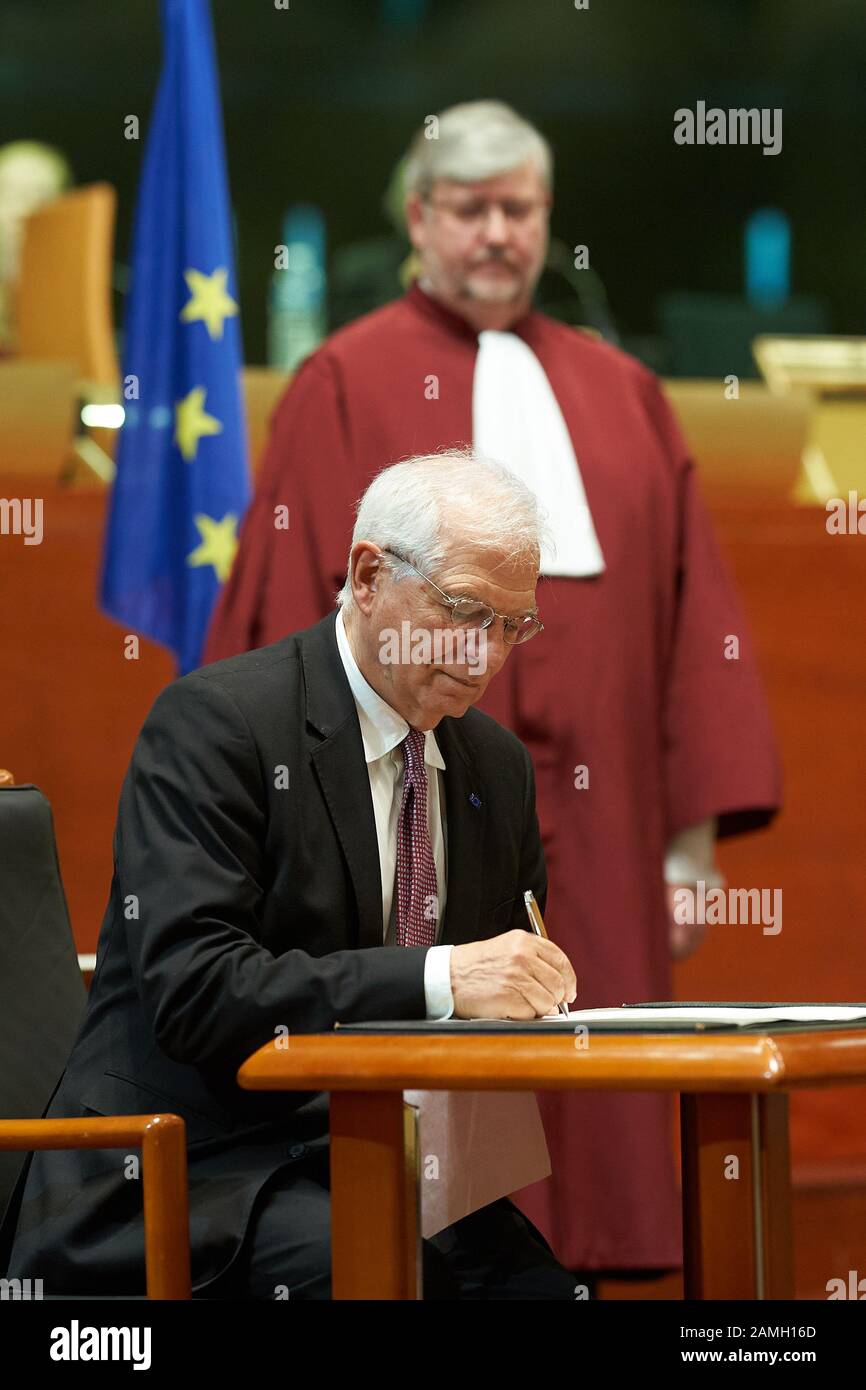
{"x": 472, "y": 613}
{"x": 475, "y": 212}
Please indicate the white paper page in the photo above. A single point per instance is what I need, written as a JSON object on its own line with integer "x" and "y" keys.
{"x": 799, "y": 1013}
{"x": 475, "y": 1147}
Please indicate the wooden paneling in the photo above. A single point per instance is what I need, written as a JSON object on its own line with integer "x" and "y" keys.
{"x": 70, "y": 704}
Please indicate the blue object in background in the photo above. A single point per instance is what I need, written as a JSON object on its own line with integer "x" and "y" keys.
{"x": 296, "y": 304}
{"x": 403, "y": 14}
{"x": 182, "y": 481}
{"x": 768, "y": 258}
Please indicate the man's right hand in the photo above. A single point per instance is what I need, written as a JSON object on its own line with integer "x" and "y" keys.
{"x": 516, "y": 975}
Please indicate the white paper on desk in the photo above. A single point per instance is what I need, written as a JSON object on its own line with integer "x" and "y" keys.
{"x": 741, "y": 1014}
{"x": 487, "y": 1144}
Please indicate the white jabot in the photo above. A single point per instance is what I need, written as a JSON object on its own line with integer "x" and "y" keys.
{"x": 516, "y": 420}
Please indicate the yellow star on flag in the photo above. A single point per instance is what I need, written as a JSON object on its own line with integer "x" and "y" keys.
{"x": 210, "y": 303}
{"x": 192, "y": 422}
{"x": 219, "y": 542}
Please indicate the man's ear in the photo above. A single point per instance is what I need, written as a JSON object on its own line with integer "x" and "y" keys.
{"x": 414, "y": 214}
{"x": 366, "y": 565}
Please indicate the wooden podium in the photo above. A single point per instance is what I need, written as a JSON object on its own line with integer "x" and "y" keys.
{"x": 736, "y": 1164}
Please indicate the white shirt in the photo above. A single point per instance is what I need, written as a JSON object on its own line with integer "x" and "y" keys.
{"x": 382, "y": 731}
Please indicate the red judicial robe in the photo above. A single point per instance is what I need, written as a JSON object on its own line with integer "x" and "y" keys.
{"x": 629, "y": 679}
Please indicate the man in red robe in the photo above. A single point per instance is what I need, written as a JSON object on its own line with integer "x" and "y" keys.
{"x": 644, "y": 717}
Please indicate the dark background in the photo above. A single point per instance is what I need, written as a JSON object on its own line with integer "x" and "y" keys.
{"x": 320, "y": 101}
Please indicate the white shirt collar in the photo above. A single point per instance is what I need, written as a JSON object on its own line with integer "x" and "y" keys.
{"x": 382, "y": 728}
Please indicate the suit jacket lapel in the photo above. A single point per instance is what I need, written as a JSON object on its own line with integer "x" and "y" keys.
{"x": 338, "y": 763}
{"x": 466, "y": 823}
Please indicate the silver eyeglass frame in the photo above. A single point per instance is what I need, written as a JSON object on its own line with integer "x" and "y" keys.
{"x": 451, "y": 603}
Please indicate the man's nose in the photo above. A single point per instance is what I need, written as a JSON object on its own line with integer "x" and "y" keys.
{"x": 497, "y": 647}
{"x": 495, "y": 226}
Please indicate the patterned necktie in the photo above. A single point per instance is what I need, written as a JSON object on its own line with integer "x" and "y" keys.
{"x": 417, "y": 890}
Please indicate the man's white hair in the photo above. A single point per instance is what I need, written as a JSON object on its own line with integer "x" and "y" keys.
{"x": 475, "y": 140}
{"x": 427, "y": 505}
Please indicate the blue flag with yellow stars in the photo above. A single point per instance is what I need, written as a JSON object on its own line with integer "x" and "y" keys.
{"x": 182, "y": 481}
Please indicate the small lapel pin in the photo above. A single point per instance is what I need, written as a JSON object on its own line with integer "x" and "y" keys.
{"x": 476, "y": 801}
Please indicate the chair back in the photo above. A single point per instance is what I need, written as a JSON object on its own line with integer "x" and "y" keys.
{"x": 42, "y": 994}
{"x": 63, "y": 299}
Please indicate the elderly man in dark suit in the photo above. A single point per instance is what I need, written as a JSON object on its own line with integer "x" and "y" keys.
{"x": 296, "y": 846}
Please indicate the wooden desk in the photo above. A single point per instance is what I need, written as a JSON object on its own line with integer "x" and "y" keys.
{"x": 734, "y": 1107}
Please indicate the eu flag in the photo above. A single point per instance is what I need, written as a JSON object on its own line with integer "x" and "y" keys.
{"x": 182, "y": 483}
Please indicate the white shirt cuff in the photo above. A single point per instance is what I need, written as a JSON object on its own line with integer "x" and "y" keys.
{"x": 437, "y": 982}
{"x": 691, "y": 857}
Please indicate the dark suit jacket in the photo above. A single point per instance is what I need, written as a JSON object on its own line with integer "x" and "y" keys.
{"x": 240, "y": 906}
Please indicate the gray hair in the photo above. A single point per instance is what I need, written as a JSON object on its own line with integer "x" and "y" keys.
{"x": 475, "y": 140}
{"x": 423, "y": 505}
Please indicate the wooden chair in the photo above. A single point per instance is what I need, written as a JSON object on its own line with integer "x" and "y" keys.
{"x": 63, "y": 301}
{"x": 40, "y": 1012}
{"x": 162, "y": 1140}
{"x": 64, "y": 320}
